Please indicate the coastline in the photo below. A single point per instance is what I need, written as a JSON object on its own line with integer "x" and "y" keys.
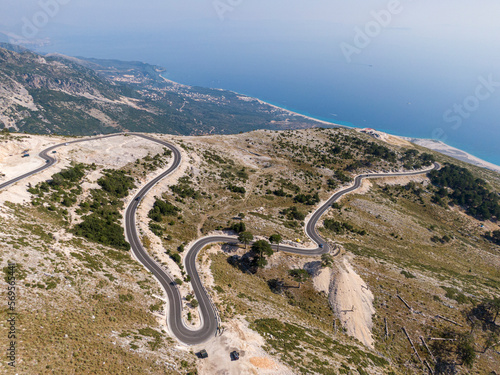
{"x": 431, "y": 144}
{"x": 302, "y": 115}
{"x": 453, "y": 152}
{"x": 270, "y": 105}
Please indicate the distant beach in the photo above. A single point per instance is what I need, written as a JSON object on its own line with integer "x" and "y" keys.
{"x": 453, "y": 152}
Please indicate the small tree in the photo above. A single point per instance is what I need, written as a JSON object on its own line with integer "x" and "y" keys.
{"x": 299, "y": 275}
{"x": 326, "y": 260}
{"x": 465, "y": 350}
{"x": 194, "y": 303}
{"x": 245, "y": 238}
{"x": 238, "y": 227}
{"x": 276, "y": 285}
{"x": 494, "y": 306}
{"x": 260, "y": 261}
{"x": 176, "y": 258}
{"x": 276, "y": 238}
{"x": 263, "y": 248}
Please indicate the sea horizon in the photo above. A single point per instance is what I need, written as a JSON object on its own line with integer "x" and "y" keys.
{"x": 370, "y": 92}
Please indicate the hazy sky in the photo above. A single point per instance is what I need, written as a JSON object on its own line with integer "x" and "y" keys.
{"x": 440, "y": 19}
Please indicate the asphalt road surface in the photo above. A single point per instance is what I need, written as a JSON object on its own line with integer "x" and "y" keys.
{"x": 210, "y": 322}
{"x": 49, "y": 160}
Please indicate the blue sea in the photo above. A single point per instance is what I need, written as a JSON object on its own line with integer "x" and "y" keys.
{"x": 421, "y": 89}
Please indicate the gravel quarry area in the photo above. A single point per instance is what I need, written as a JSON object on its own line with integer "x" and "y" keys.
{"x": 352, "y": 302}
{"x": 350, "y": 298}
{"x": 115, "y": 152}
{"x": 253, "y": 358}
{"x": 13, "y": 164}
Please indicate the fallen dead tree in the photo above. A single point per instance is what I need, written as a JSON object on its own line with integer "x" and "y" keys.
{"x": 413, "y": 346}
{"x": 448, "y": 320}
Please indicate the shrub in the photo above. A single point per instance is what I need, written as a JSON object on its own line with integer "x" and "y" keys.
{"x": 299, "y": 275}
{"x": 236, "y": 189}
{"x": 156, "y": 228}
{"x": 342, "y": 177}
{"x": 308, "y": 199}
{"x": 184, "y": 190}
{"x": 117, "y": 183}
{"x": 238, "y": 227}
{"x": 326, "y": 260}
{"x": 162, "y": 208}
{"x": 176, "y": 258}
{"x": 407, "y": 274}
{"x": 334, "y": 226}
{"x": 103, "y": 231}
{"x": 126, "y": 297}
{"x": 293, "y": 213}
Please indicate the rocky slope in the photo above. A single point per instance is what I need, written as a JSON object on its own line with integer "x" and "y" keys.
{"x": 396, "y": 243}
{"x": 65, "y": 95}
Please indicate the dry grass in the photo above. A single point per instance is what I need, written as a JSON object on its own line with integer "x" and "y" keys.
{"x": 398, "y": 247}
{"x": 80, "y": 306}
{"x": 104, "y": 327}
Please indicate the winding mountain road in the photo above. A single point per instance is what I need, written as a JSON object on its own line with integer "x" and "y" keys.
{"x": 210, "y": 323}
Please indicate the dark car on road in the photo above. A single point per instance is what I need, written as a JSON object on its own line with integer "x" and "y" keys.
{"x": 235, "y": 356}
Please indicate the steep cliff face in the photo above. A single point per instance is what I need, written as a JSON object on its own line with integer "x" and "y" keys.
{"x": 66, "y": 95}
{"x": 37, "y": 72}
{"x": 15, "y": 102}
{"x": 45, "y": 95}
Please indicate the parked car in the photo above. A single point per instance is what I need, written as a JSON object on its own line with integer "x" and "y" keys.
{"x": 234, "y": 355}
{"x": 203, "y": 354}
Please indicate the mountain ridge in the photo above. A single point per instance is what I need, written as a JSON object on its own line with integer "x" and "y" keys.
{"x": 54, "y": 93}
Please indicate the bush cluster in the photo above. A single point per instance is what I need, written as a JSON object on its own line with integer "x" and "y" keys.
{"x": 162, "y": 208}
{"x": 340, "y": 228}
{"x": 463, "y": 189}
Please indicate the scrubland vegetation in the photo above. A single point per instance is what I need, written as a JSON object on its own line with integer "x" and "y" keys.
{"x": 431, "y": 252}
